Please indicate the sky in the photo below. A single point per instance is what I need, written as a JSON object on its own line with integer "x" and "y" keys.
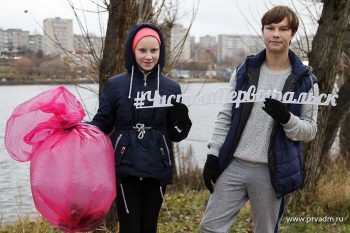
{"x": 213, "y": 17}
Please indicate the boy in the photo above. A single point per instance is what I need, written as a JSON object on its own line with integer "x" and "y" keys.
{"x": 254, "y": 153}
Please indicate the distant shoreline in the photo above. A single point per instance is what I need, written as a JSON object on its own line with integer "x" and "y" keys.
{"x": 60, "y": 82}
{"x": 51, "y": 82}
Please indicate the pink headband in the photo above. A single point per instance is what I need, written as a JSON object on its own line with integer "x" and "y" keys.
{"x": 143, "y": 33}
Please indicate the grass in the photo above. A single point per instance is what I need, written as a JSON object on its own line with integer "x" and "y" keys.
{"x": 186, "y": 206}
{"x": 186, "y": 209}
{"x": 330, "y": 200}
{"x": 26, "y": 225}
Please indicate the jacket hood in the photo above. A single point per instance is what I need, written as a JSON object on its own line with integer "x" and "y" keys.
{"x": 129, "y": 56}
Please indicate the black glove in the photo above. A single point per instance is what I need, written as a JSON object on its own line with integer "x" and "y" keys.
{"x": 277, "y": 110}
{"x": 211, "y": 172}
{"x": 180, "y": 112}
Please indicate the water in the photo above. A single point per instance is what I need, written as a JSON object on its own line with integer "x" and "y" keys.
{"x": 15, "y": 194}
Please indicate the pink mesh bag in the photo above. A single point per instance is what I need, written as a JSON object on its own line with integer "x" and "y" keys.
{"x": 72, "y": 168}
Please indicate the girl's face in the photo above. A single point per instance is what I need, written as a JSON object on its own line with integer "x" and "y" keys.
{"x": 147, "y": 53}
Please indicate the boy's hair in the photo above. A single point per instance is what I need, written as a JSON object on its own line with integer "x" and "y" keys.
{"x": 277, "y": 14}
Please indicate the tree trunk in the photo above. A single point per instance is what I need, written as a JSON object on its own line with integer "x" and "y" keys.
{"x": 113, "y": 50}
{"x": 336, "y": 118}
{"x": 344, "y": 139}
{"x": 122, "y": 15}
{"x": 344, "y": 135}
{"x": 326, "y": 50}
{"x": 144, "y": 10}
{"x": 339, "y": 113}
{"x": 166, "y": 29}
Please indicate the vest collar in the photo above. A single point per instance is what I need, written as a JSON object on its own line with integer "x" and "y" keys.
{"x": 298, "y": 68}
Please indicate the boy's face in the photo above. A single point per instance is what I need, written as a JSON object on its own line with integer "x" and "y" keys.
{"x": 147, "y": 53}
{"x": 277, "y": 36}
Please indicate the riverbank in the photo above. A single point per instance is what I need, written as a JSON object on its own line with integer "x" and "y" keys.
{"x": 93, "y": 81}
{"x": 46, "y": 82}
{"x": 186, "y": 209}
{"x": 326, "y": 212}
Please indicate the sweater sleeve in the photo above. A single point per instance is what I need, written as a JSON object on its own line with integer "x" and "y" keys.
{"x": 222, "y": 123}
{"x": 305, "y": 127}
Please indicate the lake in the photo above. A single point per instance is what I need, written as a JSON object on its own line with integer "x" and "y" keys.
{"x": 15, "y": 195}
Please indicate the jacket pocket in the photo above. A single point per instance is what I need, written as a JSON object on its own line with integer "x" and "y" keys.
{"x": 121, "y": 148}
{"x": 165, "y": 151}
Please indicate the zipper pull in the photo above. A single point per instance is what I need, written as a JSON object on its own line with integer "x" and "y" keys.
{"x": 162, "y": 151}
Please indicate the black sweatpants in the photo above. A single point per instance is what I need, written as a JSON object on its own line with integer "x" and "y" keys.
{"x": 143, "y": 200}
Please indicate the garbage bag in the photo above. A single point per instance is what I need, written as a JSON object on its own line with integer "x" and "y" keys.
{"x": 72, "y": 170}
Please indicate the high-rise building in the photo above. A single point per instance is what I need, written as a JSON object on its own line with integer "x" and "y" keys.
{"x": 207, "y": 41}
{"x": 36, "y": 42}
{"x": 13, "y": 40}
{"x": 179, "y": 41}
{"x": 226, "y": 47}
{"x": 58, "y": 36}
{"x": 232, "y": 46}
{"x": 2, "y": 39}
{"x": 193, "y": 47}
{"x": 83, "y": 44}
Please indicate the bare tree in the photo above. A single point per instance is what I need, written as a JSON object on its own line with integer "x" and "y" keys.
{"x": 344, "y": 133}
{"x": 108, "y": 61}
{"x": 120, "y": 18}
{"x": 344, "y": 139}
{"x": 162, "y": 12}
{"x": 122, "y": 15}
{"x": 338, "y": 114}
{"x": 325, "y": 55}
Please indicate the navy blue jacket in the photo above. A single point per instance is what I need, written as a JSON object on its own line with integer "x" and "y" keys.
{"x": 284, "y": 154}
{"x": 137, "y": 154}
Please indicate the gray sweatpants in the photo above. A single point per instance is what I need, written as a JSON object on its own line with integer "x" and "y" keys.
{"x": 241, "y": 181}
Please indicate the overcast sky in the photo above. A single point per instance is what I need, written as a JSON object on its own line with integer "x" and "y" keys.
{"x": 214, "y": 16}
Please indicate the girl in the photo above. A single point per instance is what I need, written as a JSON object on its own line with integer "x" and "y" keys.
{"x": 142, "y": 137}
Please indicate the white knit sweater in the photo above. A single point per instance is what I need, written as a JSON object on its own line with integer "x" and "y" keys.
{"x": 254, "y": 142}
